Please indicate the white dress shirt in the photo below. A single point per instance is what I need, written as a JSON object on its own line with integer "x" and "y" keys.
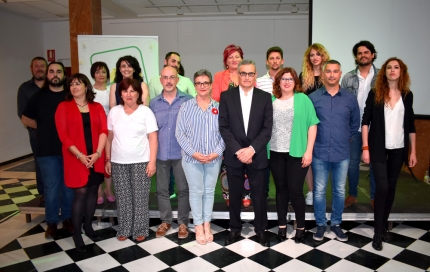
{"x": 363, "y": 90}
{"x": 245, "y": 102}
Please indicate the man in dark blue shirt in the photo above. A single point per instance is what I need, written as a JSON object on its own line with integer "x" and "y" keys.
{"x": 339, "y": 115}
{"x": 25, "y": 92}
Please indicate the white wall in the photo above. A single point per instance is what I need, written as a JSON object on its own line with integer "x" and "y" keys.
{"x": 21, "y": 40}
{"x": 395, "y": 27}
{"x": 201, "y": 41}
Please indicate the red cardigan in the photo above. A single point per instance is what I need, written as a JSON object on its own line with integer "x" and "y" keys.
{"x": 70, "y": 128}
{"x": 220, "y": 84}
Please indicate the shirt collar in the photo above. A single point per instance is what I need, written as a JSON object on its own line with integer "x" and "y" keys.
{"x": 243, "y": 93}
{"x": 324, "y": 90}
{"x": 371, "y": 70}
{"x": 178, "y": 94}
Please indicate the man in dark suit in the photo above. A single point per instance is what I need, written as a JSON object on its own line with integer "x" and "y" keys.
{"x": 245, "y": 123}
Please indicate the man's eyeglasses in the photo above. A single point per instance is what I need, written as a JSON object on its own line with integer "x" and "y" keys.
{"x": 244, "y": 74}
{"x": 170, "y": 77}
{"x": 202, "y": 84}
{"x": 287, "y": 79}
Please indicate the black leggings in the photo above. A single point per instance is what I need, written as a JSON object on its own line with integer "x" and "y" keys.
{"x": 84, "y": 203}
{"x": 289, "y": 176}
{"x": 386, "y": 175}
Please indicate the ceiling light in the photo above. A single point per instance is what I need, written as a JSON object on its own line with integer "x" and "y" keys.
{"x": 239, "y": 9}
{"x": 294, "y": 8}
{"x": 179, "y": 11}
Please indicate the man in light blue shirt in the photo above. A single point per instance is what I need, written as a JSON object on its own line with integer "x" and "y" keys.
{"x": 166, "y": 108}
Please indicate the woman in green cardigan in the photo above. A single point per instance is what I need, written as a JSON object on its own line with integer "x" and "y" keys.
{"x": 293, "y": 136}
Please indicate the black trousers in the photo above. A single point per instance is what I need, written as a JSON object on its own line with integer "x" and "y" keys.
{"x": 258, "y": 196}
{"x": 386, "y": 175}
{"x": 289, "y": 177}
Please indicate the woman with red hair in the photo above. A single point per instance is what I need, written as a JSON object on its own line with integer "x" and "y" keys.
{"x": 388, "y": 134}
{"x": 228, "y": 78}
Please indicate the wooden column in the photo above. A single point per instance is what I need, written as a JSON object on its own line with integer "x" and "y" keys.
{"x": 85, "y": 18}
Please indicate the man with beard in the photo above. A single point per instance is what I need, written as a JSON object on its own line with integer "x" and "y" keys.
{"x": 172, "y": 59}
{"x": 359, "y": 82}
{"x": 165, "y": 107}
{"x": 25, "y": 92}
{"x": 275, "y": 60}
{"x": 40, "y": 113}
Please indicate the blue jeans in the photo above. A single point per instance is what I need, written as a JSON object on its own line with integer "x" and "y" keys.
{"x": 354, "y": 167}
{"x": 321, "y": 170}
{"x": 202, "y": 179}
{"x": 57, "y": 195}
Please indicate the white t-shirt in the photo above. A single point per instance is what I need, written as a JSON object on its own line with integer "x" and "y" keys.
{"x": 130, "y": 134}
{"x": 102, "y": 97}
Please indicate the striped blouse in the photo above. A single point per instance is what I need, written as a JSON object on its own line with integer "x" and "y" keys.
{"x": 198, "y": 130}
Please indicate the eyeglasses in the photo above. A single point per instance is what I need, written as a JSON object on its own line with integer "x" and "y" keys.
{"x": 287, "y": 79}
{"x": 202, "y": 84}
{"x": 170, "y": 77}
{"x": 244, "y": 74}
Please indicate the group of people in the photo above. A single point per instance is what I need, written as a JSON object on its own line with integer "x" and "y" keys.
{"x": 298, "y": 127}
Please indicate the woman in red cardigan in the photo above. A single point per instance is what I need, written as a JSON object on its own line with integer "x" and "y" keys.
{"x": 229, "y": 77}
{"x": 81, "y": 126}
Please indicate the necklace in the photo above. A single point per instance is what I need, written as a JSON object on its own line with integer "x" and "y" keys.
{"x": 82, "y": 105}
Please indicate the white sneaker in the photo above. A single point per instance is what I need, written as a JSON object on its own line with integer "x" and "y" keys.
{"x": 309, "y": 198}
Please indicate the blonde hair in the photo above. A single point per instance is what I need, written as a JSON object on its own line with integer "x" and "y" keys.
{"x": 308, "y": 80}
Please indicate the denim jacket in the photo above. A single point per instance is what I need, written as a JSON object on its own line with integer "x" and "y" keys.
{"x": 350, "y": 80}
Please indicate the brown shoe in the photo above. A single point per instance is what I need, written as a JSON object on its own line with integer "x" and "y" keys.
{"x": 372, "y": 202}
{"x": 162, "y": 229}
{"x": 51, "y": 231}
{"x": 67, "y": 225}
{"x": 183, "y": 231}
{"x": 349, "y": 201}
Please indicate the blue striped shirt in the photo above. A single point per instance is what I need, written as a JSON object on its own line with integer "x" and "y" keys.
{"x": 198, "y": 130}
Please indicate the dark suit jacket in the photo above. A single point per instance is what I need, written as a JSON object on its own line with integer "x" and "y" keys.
{"x": 374, "y": 116}
{"x": 233, "y": 130}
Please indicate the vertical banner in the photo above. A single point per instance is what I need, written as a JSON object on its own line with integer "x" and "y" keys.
{"x": 93, "y": 48}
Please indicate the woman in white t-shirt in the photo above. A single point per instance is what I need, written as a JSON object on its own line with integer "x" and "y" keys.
{"x": 100, "y": 73}
{"x": 131, "y": 154}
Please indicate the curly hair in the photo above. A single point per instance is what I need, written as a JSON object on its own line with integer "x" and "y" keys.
{"x": 382, "y": 90}
{"x": 308, "y": 80}
{"x": 133, "y": 62}
{"x": 276, "y": 84}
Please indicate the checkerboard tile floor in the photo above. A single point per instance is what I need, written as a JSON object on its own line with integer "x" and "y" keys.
{"x": 409, "y": 250}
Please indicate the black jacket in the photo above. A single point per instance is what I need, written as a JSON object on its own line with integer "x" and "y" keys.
{"x": 233, "y": 130}
{"x": 374, "y": 117}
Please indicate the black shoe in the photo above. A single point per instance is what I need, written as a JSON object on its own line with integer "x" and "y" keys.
{"x": 262, "y": 239}
{"x": 79, "y": 244}
{"x": 377, "y": 242}
{"x": 282, "y": 234}
{"x": 232, "y": 237}
{"x": 68, "y": 225}
{"x": 94, "y": 237}
{"x": 51, "y": 231}
{"x": 386, "y": 235}
{"x": 300, "y": 235}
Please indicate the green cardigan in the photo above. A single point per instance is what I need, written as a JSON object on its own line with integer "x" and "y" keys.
{"x": 304, "y": 117}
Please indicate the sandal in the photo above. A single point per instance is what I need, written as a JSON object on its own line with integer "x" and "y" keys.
{"x": 200, "y": 235}
{"x": 100, "y": 200}
{"x": 208, "y": 234}
{"x": 110, "y": 198}
{"x": 121, "y": 238}
{"x": 140, "y": 238}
